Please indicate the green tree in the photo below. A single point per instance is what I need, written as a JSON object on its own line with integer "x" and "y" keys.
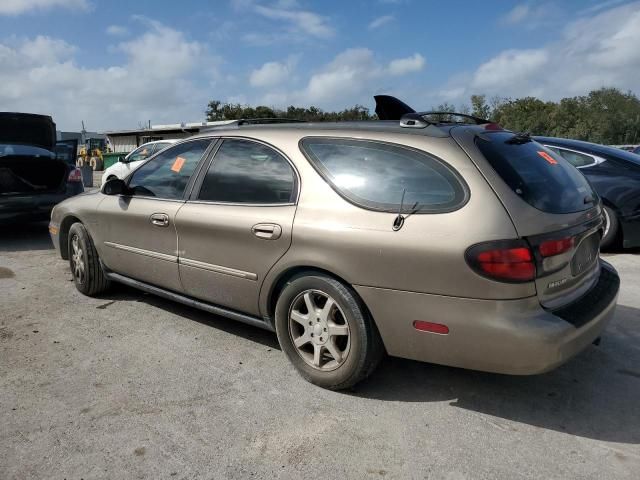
{"x": 479, "y": 107}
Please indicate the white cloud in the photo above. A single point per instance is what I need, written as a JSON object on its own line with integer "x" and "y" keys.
{"x": 517, "y": 14}
{"x": 351, "y": 77}
{"x": 509, "y": 67}
{"x": 381, "y": 21}
{"x": 601, "y": 50}
{"x": 17, "y": 7}
{"x": 294, "y": 20}
{"x": 117, "y": 30}
{"x": 272, "y": 74}
{"x": 155, "y": 82}
{"x": 600, "y": 6}
{"x": 402, "y": 66}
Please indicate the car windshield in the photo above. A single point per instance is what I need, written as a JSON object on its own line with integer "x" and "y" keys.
{"x": 538, "y": 175}
{"x": 23, "y": 150}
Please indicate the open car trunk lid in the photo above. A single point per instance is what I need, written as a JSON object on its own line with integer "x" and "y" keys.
{"x": 27, "y": 129}
{"x": 30, "y": 171}
{"x": 551, "y": 204}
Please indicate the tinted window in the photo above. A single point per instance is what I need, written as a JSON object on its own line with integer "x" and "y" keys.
{"x": 166, "y": 175}
{"x": 574, "y": 158}
{"x": 248, "y": 172}
{"x": 375, "y": 175}
{"x": 539, "y": 176}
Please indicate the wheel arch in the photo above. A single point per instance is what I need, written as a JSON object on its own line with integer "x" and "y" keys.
{"x": 287, "y": 274}
{"x": 65, "y": 226}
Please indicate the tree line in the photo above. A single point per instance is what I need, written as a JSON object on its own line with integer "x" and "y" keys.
{"x": 607, "y": 116}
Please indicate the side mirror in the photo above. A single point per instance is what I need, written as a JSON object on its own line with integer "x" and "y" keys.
{"x": 115, "y": 186}
{"x": 122, "y": 159}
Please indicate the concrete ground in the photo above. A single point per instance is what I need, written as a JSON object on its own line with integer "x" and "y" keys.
{"x": 133, "y": 386}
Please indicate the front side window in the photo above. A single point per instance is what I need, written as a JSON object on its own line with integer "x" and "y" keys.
{"x": 377, "y": 175}
{"x": 167, "y": 175}
{"x": 248, "y": 172}
{"x": 141, "y": 153}
{"x": 574, "y": 158}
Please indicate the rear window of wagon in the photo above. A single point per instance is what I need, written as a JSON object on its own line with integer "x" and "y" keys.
{"x": 536, "y": 174}
{"x": 377, "y": 175}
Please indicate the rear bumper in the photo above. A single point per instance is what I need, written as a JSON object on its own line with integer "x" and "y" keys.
{"x": 517, "y": 337}
{"x": 30, "y": 207}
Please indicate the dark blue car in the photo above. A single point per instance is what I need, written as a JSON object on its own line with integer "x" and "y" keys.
{"x": 615, "y": 176}
{"x": 35, "y": 172}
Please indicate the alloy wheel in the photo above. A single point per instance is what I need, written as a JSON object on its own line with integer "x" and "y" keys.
{"x": 607, "y": 223}
{"x": 319, "y": 330}
{"x": 77, "y": 260}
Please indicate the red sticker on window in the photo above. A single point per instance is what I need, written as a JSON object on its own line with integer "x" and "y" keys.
{"x": 177, "y": 165}
{"x": 548, "y": 158}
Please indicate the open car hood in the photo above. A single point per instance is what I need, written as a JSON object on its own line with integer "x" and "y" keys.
{"x": 27, "y": 129}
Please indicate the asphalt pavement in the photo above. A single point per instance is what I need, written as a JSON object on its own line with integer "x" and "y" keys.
{"x": 129, "y": 385}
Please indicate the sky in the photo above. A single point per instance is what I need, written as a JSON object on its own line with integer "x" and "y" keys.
{"x": 118, "y": 64}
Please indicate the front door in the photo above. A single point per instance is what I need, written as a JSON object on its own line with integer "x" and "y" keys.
{"x": 138, "y": 229}
{"x": 237, "y": 225}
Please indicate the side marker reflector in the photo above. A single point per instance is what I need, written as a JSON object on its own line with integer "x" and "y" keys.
{"x": 423, "y": 326}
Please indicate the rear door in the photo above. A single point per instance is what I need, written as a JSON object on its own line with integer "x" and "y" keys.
{"x": 237, "y": 224}
{"x": 138, "y": 230}
{"x": 550, "y": 203}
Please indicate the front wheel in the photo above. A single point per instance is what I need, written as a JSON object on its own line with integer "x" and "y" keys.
{"x": 326, "y": 332}
{"x": 84, "y": 262}
{"x": 611, "y": 228}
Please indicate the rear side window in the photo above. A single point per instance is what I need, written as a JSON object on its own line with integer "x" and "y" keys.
{"x": 574, "y": 158}
{"x": 538, "y": 175}
{"x": 376, "y": 175}
{"x": 248, "y": 172}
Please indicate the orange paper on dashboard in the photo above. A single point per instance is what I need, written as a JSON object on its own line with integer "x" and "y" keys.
{"x": 177, "y": 165}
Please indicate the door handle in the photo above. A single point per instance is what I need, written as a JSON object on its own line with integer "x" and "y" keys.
{"x": 267, "y": 231}
{"x": 159, "y": 219}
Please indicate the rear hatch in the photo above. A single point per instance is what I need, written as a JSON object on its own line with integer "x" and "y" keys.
{"x": 552, "y": 206}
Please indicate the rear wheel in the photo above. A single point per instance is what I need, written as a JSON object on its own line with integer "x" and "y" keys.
{"x": 611, "y": 228}
{"x": 84, "y": 262}
{"x": 326, "y": 332}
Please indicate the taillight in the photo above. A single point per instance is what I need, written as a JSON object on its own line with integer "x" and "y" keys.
{"x": 75, "y": 175}
{"x": 550, "y": 248}
{"x": 504, "y": 260}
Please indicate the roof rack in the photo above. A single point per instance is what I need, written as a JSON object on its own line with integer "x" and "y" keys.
{"x": 418, "y": 120}
{"x": 250, "y": 121}
{"x": 267, "y": 121}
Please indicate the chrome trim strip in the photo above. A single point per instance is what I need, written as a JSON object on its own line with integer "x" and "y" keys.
{"x": 207, "y": 307}
{"x": 140, "y": 251}
{"x": 217, "y": 268}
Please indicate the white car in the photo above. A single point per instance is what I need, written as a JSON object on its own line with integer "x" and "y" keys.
{"x": 134, "y": 159}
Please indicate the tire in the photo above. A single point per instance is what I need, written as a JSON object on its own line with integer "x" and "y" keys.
{"x": 611, "y": 229}
{"x": 359, "y": 350}
{"x": 88, "y": 278}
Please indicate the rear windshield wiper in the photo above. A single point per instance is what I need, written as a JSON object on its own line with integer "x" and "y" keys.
{"x": 519, "y": 138}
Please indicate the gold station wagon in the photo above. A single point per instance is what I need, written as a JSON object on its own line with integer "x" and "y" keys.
{"x": 452, "y": 242}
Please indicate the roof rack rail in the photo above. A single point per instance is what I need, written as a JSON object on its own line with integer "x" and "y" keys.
{"x": 418, "y": 120}
{"x": 249, "y": 121}
{"x": 267, "y": 121}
